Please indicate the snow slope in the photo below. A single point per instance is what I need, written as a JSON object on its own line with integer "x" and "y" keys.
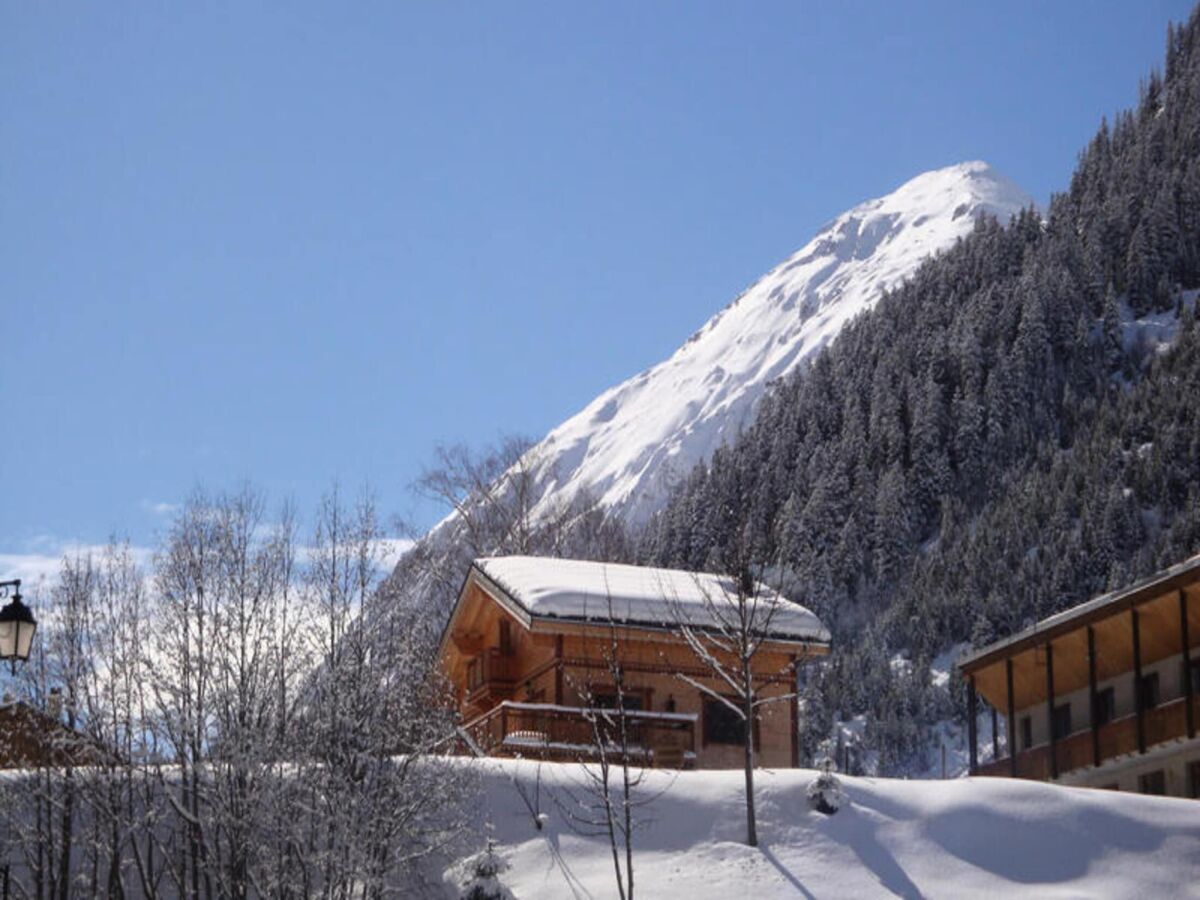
{"x": 970, "y": 837}
{"x": 630, "y": 444}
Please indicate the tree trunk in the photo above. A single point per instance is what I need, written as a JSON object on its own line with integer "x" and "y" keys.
{"x": 748, "y": 712}
{"x": 68, "y": 818}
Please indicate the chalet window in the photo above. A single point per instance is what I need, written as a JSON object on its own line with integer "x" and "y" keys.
{"x": 1026, "y": 732}
{"x": 609, "y": 701}
{"x": 1153, "y": 783}
{"x": 1194, "y": 779}
{"x": 505, "y": 637}
{"x": 722, "y": 725}
{"x": 1106, "y": 706}
{"x": 1062, "y": 721}
{"x": 1196, "y": 676}
{"x": 1150, "y": 694}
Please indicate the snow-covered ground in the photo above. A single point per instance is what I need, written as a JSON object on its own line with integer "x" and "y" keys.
{"x": 968, "y": 837}
{"x": 633, "y": 442}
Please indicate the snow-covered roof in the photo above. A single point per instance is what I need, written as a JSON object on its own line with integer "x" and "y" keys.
{"x": 579, "y": 590}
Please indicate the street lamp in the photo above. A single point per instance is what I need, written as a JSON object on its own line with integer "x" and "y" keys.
{"x": 17, "y": 624}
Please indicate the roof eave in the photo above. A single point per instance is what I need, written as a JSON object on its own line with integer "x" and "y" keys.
{"x": 1083, "y": 614}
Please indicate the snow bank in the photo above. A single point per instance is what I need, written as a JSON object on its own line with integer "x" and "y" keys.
{"x": 576, "y": 589}
{"x": 960, "y": 838}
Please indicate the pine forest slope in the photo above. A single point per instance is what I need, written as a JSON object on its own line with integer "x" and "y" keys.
{"x": 630, "y": 445}
{"x": 998, "y": 439}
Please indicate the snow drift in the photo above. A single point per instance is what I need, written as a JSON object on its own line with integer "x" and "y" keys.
{"x": 960, "y": 838}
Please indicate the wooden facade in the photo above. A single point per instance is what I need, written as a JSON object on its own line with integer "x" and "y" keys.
{"x": 1106, "y": 694}
{"x": 523, "y": 682}
{"x": 32, "y": 738}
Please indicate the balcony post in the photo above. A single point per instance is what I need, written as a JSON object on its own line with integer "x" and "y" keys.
{"x": 1138, "y": 699}
{"x": 1011, "y": 728}
{"x": 1050, "y": 709}
{"x": 971, "y": 736}
{"x": 1093, "y": 698}
{"x": 794, "y": 709}
{"x": 1188, "y": 690}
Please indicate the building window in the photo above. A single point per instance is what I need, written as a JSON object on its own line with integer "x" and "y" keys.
{"x": 1150, "y": 695}
{"x": 1194, "y": 779}
{"x": 722, "y": 725}
{"x": 1106, "y": 706}
{"x": 506, "y": 647}
{"x": 1026, "y": 732}
{"x": 1062, "y": 721}
{"x": 1195, "y": 676}
{"x": 609, "y": 701}
{"x": 1153, "y": 783}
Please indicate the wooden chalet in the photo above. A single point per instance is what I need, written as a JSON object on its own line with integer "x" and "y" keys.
{"x": 527, "y": 649}
{"x": 32, "y": 738}
{"x": 1106, "y": 694}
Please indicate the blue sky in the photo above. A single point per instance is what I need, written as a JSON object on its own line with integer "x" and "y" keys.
{"x": 292, "y": 244}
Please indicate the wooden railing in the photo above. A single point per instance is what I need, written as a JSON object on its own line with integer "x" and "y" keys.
{"x": 1165, "y": 722}
{"x": 547, "y": 731}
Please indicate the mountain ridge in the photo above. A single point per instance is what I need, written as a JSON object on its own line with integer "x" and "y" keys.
{"x": 629, "y": 446}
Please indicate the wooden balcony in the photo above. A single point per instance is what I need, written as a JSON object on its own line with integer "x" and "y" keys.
{"x": 546, "y": 731}
{"x": 1165, "y": 722}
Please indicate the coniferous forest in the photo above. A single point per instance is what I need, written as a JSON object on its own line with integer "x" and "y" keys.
{"x": 1002, "y": 437}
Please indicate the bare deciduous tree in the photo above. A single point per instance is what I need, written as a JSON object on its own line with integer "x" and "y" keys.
{"x": 255, "y": 720}
{"x": 734, "y": 623}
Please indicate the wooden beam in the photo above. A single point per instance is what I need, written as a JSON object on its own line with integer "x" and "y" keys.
{"x": 1050, "y": 710}
{"x": 1010, "y": 736}
{"x": 1093, "y": 698}
{"x": 1138, "y": 699}
{"x": 971, "y": 736}
{"x": 468, "y": 643}
{"x": 1103, "y": 607}
{"x": 1188, "y": 690}
{"x": 795, "y": 710}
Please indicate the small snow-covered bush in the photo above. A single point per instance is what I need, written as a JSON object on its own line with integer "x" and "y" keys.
{"x": 478, "y": 875}
{"x": 825, "y": 793}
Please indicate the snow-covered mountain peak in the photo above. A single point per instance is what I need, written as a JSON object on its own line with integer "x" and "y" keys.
{"x": 631, "y": 444}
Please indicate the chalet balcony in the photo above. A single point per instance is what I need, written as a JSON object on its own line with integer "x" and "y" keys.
{"x": 1162, "y": 723}
{"x": 547, "y": 731}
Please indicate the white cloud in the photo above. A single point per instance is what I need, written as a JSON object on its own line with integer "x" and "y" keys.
{"x": 159, "y": 507}
{"x": 391, "y": 549}
{"x": 41, "y": 566}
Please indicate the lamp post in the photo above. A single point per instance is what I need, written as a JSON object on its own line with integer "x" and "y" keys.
{"x": 17, "y": 624}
